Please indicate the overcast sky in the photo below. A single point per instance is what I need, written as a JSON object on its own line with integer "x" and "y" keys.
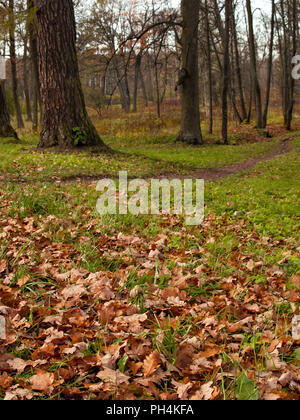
{"x": 265, "y": 5}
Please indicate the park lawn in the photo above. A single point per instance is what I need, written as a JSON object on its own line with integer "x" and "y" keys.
{"x": 206, "y": 156}
{"x": 224, "y": 292}
{"x": 22, "y": 162}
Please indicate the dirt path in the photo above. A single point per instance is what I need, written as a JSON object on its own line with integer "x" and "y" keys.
{"x": 208, "y": 174}
{"x": 214, "y": 174}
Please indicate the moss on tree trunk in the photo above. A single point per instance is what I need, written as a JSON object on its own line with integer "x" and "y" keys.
{"x": 64, "y": 119}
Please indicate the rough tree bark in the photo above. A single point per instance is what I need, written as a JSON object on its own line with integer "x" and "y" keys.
{"x": 270, "y": 66}
{"x": 6, "y": 129}
{"x": 138, "y": 62}
{"x": 209, "y": 67}
{"x": 238, "y": 68}
{"x": 65, "y": 122}
{"x": 13, "y": 63}
{"x": 32, "y": 29}
{"x": 189, "y": 76}
{"x": 25, "y": 81}
{"x": 257, "y": 88}
{"x": 226, "y": 71}
{"x": 144, "y": 90}
{"x": 293, "y": 23}
{"x": 121, "y": 71}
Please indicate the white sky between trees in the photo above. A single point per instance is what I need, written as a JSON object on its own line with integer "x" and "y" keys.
{"x": 263, "y": 4}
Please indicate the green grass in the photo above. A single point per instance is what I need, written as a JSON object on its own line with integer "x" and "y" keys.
{"x": 207, "y": 156}
{"x": 147, "y": 156}
{"x": 268, "y": 197}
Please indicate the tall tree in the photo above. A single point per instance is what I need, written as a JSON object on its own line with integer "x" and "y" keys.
{"x": 65, "y": 122}
{"x": 25, "y": 80}
{"x": 226, "y": 72}
{"x": 32, "y": 33}
{"x": 6, "y": 129}
{"x": 209, "y": 67}
{"x": 13, "y": 62}
{"x": 253, "y": 60}
{"x": 288, "y": 32}
{"x": 238, "y": 67}
{"x": 270, "y": 65}
{"x": 189, "y": 76}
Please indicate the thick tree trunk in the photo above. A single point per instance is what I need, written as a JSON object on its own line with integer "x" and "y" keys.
{"x": 6, "y": 129}
{"x": 138, "y": 62}
{"x": 294, "y": 34}
{"x": 250, "y": 102}
{"x": 189, "y": 78}
{"x": 25, "y": 81}
{"x": 270, "y": 66}
{"x": 32, "y": 29}
{"x": 122, "y": 82}
{"x": 65, "y": 122}
{"x": 257, "y": 89}
{"x": 158, "y": 103}
{"x": 238, "y": 68}
{"x": 226, "y": 73}
{"x": 209, "y": 68}
{"x": 13, "y": 63}
{"x": 150, "y": 79}
{"x": 144, "y": 90}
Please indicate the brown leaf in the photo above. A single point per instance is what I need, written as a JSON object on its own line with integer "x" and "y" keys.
{"x": 114, "y": 376}
{"x": 42, "y": 381}
{"x": 205, "y": 393}
{"x": 295, "y": 280}
{"x": 23, "y": 280}
{"x": 135, "y": 367}
{"x": 73, "y": 292}
{"x": 5, "y": 381}
{"x": 3, "y": 266}
{"x": 151, "y": 364}
{"x": 250, "y": 265}
{"x": 9, "y": 362}
{"x": 17, "y": 393}
{"x": 182, "y": 389}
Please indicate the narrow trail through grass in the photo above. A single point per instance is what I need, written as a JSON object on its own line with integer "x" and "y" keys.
{"x": 208, "y": 174}
{"x": 211, "y": 174}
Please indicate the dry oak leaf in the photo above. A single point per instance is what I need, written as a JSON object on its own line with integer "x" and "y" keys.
{"x": 182, "y": 389}
{"x": 8, "y": 362}
{"x": 3, "y": 266}
{"x": 185, "y": 354}
{"x": 42, "y": 381}
{"x": 286, "y": 378}
{"x": 24, "y": 280}
{"x": 5, "y": 381}
{"x": 250, "y": 265}
{"x": 53, "y": 335}
{"x": 114, "y": 376}
{"x": 151, "y": 364}
{"x": 17, "y": 393}
{"x": 131, "y": 323}
{"x": 271, "y": 397}
{"x": 73, "y": 292}
{"x": 154, "y": 254}
{"x": 135, "y": 367}
{"x": 206, "y": 392}
{"x": 200, "y": 364}
{"x": 295, "y": 280}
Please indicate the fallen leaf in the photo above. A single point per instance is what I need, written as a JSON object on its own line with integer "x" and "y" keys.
{"x": 151, "y": 364}
{"x": 114, "y": 376}
{"x": 42, "y": 381}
